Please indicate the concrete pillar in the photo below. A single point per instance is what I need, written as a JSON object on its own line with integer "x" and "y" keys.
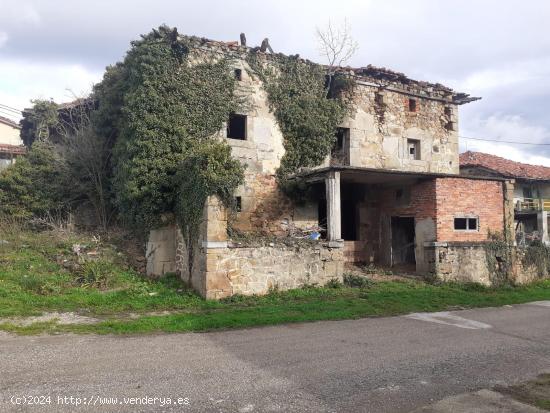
{"x": 542, "y": 225}
{"x": 509, "y": 228}
{"x": 334, "y": 218}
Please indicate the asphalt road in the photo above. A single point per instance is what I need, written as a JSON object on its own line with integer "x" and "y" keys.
{"x": 371, "y": 365}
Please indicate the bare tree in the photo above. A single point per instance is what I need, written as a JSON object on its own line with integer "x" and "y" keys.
{"x": 87, "y": 155}
{"x": 336, "y": 45}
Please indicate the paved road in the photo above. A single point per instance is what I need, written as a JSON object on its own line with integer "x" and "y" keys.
{"x": 371, "y": 365}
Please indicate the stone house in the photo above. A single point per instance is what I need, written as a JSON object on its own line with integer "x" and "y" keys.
{"x": 389, "y": 194}
{"x": 11, "y": 145}
{"x": 531, "y": 191}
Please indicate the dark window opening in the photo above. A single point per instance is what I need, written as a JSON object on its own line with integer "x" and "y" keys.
{"x": 412, "y": 105}
{"x": 236, "y": 127}
{"x": 379, "y": 99}
{"x": 238, "y": 204}
{"x": 450, "y": 125}
{"x": 238, "y": 74}
{"x": 413, "y": 149}
{"x": 342, "y": 134}
{"x": 466, "y": 224}
{"x": 448, "y": 111}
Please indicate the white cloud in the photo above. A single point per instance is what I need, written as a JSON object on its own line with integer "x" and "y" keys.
{"x": 511, "y": 128}
{"x": 21, "y": 81}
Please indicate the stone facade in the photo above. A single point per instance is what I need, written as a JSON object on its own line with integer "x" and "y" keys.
{"x": 383, "y": 123}
{"x": 394, "y": 181}
{"x": 257, "y": 270}
{"x": 466, "y": 262}
{"x": 219, "y": 269}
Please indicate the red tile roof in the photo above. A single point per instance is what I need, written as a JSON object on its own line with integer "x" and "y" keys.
{"x": 9, "y": 122}
{"x": 13, "y": 149}
{"x": 504, "y": 167}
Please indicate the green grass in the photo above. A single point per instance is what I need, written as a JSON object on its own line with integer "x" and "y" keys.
{"x": 33, "y": 280}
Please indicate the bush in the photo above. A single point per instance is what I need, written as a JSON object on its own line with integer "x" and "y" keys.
{"x": 36, "y": 185}
{"x": 334, "y": 283}
{"x": 356, "y": 281}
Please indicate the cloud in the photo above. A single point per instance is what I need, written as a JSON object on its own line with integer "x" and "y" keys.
{"x": 21, "y": 81}
{"x": 3, "y": 38}
{"x": 509, "y": 128}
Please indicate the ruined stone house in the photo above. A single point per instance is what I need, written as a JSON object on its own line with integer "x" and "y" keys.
{"x": 389, "y": 194}
{"x": 531, "y": 191}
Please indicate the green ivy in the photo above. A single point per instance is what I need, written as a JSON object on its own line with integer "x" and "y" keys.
{"x": 307, "y": 112}
{"x": 164, "y": 110}
{"x": 39, "y": 122}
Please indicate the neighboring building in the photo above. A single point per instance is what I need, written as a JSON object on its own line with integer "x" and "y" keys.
{"x": 390, "y": 194}
{"x": 531, "y": 191}
{"x": 11, "y": 145}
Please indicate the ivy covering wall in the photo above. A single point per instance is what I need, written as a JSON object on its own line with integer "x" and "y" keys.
{"x": 307, "y": 109}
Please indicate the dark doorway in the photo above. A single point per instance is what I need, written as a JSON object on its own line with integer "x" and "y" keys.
{"x": 402, "y": 240}
{"x": 349, "y": 222}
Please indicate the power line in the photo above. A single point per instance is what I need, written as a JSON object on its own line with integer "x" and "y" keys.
{"x": 499, "y": 141}
{"x": 11, "y": 109}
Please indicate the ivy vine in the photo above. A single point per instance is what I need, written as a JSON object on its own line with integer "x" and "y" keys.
{"x": 307, "y": 110}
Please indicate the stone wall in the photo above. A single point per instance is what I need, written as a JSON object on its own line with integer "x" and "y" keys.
{"x": 256, "y": 270}
{"x": 380, "y": 125}
{"x": 467, "y": 262}
{"x": 382, "y": 122}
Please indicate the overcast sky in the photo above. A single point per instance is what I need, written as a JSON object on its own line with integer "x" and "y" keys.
{"x": 499, "y": 50}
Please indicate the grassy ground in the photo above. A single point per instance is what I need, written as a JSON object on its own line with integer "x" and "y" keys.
{"x": 535, "y": 392}
{"x": 41, "y": 273}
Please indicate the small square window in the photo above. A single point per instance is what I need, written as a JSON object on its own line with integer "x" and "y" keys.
{"x": 461, "y": 224}
{"x": 238, "y": 74}
{"x": 466, "y": 224}
{"x": 236, "y": 127}
{"x": 412, "y": 105}
{"x": 448, "y": 111}
{"x": 238, "y": 204}
{"x": 413, "y": 149}
{"x": 379, "y": 99}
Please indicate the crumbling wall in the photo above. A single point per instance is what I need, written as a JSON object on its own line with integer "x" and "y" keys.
{"x": 467, "y": 262}
{"x": 383, "y": 122}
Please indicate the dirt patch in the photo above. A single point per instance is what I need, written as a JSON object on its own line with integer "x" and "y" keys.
{"x": 60, "y": 318}
{"x": 535, "y": 392}
{"x": 376, "y": 273}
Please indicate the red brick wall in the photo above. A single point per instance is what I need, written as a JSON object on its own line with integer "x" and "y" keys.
{"x": 422, "y": 201}
{"x": 456, "y": 196}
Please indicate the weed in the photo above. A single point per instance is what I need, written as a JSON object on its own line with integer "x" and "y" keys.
{"x": 356, "y": 281}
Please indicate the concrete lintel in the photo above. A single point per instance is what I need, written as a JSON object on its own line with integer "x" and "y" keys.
{"x": 214, "y": 244}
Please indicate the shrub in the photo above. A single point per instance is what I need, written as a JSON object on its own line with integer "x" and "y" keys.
{"x": 356, "y": 281}
{"x": 334, "y": 283}
{"x": 99, "y": 274}
{"x": 36, "y": 185}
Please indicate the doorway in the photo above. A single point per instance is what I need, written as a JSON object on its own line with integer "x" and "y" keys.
{"x": 402, "y": 241}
